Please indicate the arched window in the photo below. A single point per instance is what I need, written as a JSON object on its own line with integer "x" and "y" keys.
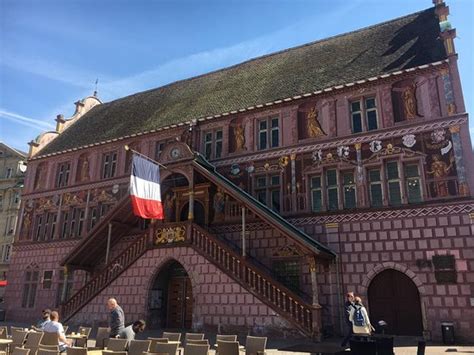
{"x": 30, "y": 285}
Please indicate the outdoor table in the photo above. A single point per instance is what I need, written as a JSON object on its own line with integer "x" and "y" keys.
{"x": 75, "y": 336}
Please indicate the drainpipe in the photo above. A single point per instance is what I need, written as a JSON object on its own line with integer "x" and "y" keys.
{"x": 243, "y": 231}
{"x": 108, "y": 244}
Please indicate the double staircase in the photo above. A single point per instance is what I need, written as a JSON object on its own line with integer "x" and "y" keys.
{"x": 298, "y": 312}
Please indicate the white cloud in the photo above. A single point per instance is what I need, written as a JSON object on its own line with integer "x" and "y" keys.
{"x": 26, "y": 121}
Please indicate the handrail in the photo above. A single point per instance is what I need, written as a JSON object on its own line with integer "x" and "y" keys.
{"x": 262, "y": 285}
{"x": 105, "y": 277}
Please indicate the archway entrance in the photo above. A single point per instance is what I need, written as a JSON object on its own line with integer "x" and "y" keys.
{"x": 171, "y": 299}
{"x": 199, "y": 213}
{"x": 394, "y": 298}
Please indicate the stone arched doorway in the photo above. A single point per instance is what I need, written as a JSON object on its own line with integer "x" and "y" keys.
{"x": 170, "y": 302}
{"x": 394, "y": 298}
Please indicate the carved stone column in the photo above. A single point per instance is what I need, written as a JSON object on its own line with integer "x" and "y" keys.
{"x": 458, "y": 158}
{"x": 360, "y": 176}
{"x": 65, "y": 281}
{"x": 316, "y": 307}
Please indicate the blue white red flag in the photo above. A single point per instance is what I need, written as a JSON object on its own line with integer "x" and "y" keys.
{"x": 145, "y": 191}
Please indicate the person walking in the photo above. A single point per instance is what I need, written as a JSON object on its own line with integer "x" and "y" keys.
{"x": 348, "y": 324}
{"x": 116, "y": 318}
{"x": 360, "y": 318}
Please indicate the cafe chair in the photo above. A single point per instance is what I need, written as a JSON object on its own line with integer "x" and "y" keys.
{"x": 102, "y": 337}
{"x": 193, "y": 336}
{"x": 172, "y": 336}
{"x": 18, "y": 338}
{"x": 116, "y": 344}
{"x": 49, "y": 339}
{"x": 74, "y": 350}
{"x": 65, "y": 327}
{"x": 197, "y": 349}
{"x": 33, "y": 341}
{"x": 227, "y": 347}
{"x": 20, "y": 351}
{"x": 49, "y": 347}
{"x": 154, "y": 341}
{"x": 109, "y": 352}
{"x": 47, "y": 352}
{"x": 198, "y": 342}
{"x": 3, "y": 332}
{"x": 255, "y": 345}
{"x": 138, "y": 347}
{"x": 226, "y": 337}
{"x": 167, "y": 348}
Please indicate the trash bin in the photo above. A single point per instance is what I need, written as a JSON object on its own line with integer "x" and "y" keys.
{"x": 447, "y": 329}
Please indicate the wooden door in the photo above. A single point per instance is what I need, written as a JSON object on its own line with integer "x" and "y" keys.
{"x": 394, "y": 298}
{"x": 180, "y": 307}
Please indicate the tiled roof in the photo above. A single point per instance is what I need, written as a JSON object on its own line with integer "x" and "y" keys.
{"x": 399, "y": 44}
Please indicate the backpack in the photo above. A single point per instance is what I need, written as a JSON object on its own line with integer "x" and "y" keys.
{"x": 359, "y": 317}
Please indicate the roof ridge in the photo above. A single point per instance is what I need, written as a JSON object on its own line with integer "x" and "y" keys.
{"x": 322, "y": 40}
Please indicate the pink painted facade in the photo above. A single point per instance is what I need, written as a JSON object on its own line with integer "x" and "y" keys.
{"x": 395, "y": 201}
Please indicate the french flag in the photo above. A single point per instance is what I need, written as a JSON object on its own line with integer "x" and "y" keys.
{"x": 145, "y": 191}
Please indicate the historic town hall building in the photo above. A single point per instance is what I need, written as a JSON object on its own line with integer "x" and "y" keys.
{"x": 344, "y": 164}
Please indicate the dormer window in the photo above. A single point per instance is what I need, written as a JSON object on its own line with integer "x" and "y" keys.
{"x": 268, "y": 133}
{"x": 109, "y": 165}
{"x": 62, "y": 175}
{"x": 364, "y": 115}
{"x": 213, "y": 144}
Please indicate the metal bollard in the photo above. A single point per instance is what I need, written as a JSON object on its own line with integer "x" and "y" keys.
{"x": 421, "y": 347}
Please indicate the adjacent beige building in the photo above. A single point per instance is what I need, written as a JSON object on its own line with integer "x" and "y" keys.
{"x": 12, "y": 169}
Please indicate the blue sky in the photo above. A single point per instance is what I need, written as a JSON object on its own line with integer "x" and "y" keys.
{"x": 52, "y": 51}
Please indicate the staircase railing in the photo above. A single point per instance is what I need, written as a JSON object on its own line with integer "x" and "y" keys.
{"x": 262, "y": 285}
{"x": 105, "y": 277}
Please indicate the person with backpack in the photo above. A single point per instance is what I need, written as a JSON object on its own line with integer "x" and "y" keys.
{"x": 360, "y": 318}
{"x": 348, "y": 305}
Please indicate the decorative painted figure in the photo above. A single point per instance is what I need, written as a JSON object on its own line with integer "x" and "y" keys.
{"x": 169, "y": 206}
{"x": 239, "y": 137}
{"x": 439, "y": 170}
{"x": 314, "y": 128}
{"x": 85, "y": 169}
{"x": 409, "y": 102}
{"x": 219, "y": 204}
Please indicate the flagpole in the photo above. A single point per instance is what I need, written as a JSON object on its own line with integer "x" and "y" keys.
{"x": 127, "y": 148}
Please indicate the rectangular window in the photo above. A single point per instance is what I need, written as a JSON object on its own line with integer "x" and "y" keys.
{"x": 93, "y": 218}
{"x": 376, "y": 195}
{"x": 47, "y": 279}
{"x": 316, "y": 194}
{"x": 65, "y": 225}
{"x": 38, "y": 226}
{"x": 445, "y": 269}
{"x": 53, "y": 218}
{"x": 393, "y": 184}
{"x": 332, "y": 190}
{"x": 159, "y": 146}
{"x": 8, "y": 249}
{"x": 208, "y": 145}
{"x": 62, "y": 176}
{"x": 213, "y": 144}
{"x": 267, "y": 191}
{"x": 218, "y": 150}
{"x": 364, "y": 115}
{"x": 349, "y": 190}
{"x": 356, "y": 114}
{"x": 109, "y": 165}
{"x": 268, "y": 133}
{"x": 371, "y": 114}
{"x": 413, "y": 183}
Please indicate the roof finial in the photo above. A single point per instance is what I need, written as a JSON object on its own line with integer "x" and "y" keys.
{"x": 96, "y": 82}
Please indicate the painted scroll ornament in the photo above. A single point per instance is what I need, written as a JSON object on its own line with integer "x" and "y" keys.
{"x": 375, "y": 146}
{"x": 446, "y": 149}
{"x": 409, "y": 140}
